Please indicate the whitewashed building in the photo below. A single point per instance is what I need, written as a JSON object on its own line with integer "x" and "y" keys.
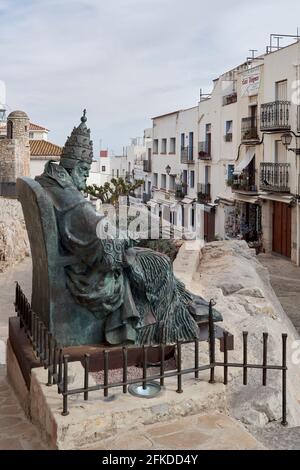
{"x": 172, "y": 161}
{"x": 230, "y": 155}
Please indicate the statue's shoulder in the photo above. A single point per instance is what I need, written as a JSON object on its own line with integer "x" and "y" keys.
{"x": 54, "y": 175}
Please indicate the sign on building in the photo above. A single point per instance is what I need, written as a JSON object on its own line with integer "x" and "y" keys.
{"x": 250, "y": 82}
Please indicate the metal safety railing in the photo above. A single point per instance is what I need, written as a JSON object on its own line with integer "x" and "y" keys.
{"x": 53, "y": 358}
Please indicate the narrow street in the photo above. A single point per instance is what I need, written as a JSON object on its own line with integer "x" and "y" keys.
{"x": 285, "y": 280}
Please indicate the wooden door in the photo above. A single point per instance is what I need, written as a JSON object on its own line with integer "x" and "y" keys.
{"x": 282, "y": 226}
{"x": 209, "y": 226}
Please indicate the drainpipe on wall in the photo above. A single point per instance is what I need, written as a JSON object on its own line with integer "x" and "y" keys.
{"x": 298, "y": 235}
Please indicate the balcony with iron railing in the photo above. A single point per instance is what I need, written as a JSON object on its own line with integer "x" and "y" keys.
{"x": 274, "y": 177}
{"x": 204, "y": 151}
{"x": 187, "y": 155}
{"x": 203, "y": 193}
{"x": 275, "y": 116}
{"x": 147, "y": 166}
{"x": 245, "y": 182}
{"x": 249, "y": 129}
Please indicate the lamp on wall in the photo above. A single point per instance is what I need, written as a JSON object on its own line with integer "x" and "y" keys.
{"x": 286, "y": 140}
{"x": 168, "y": 169}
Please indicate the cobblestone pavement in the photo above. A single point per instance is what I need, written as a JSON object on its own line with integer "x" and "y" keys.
{"x": 16, "y": 432}
{"x": 285, "y": 280}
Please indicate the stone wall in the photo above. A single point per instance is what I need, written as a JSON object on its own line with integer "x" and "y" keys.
{"x": 7, "y": 161}
{"x": 14, "y": 244}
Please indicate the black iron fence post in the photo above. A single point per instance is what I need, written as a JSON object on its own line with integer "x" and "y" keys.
{"x": 50, "y": 360}
{"x": 125, "y": 365}
{"x": 212, "y": 345}
{"x": 179, "y": 368}
{"x": 45, "y": 342}
{"x": 144, "y": 367}
{"x": 196, "y": 359}
{"x": 245, "y": 357}
{"x": 60, "y": 365}
{"x": 86, "y": 375}
{"x": 225, "y": 340}
{"x": 54, "y": 371}
{"x": 105, "y": 381}
{"x": 65, "y": 411}
{"x": 265, "y": 359}
{"x": 162, "y": 365}
{"x": 284, "y": 370}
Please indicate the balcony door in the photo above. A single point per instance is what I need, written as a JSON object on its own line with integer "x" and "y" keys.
{"x": 281, "y": 90}
{"x": 282, "y": 227}
{"x": 191, "y": 145}
{"x": 209, "y": 226}
{"x": 253, "y": 115}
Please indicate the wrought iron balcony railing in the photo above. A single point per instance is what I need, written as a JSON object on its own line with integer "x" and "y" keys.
{"x": 187, "y": 155}
{"x": 244, "y": 182}
{"x": 275, "y": 116}
{"x": 203, "y": 193}
{"x": 204, "y": 151}
{"x": 147, "y": 166}
{"x": 274, "y": 177}
{"x": 249, "y": 129}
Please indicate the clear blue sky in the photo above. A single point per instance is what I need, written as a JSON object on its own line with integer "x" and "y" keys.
{"x": 125, "y": 60}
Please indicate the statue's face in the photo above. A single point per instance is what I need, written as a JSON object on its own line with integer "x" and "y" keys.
{"x": 80, "y": 174}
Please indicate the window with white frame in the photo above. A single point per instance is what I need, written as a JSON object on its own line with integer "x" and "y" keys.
{"x": 155, "y": 146}
{"x": 163, "y": 181}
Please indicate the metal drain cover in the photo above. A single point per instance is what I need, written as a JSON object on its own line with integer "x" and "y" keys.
{"x": 152, "y": 389}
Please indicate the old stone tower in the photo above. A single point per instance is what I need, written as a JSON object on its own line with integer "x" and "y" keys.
{"x": 14, "y": 153}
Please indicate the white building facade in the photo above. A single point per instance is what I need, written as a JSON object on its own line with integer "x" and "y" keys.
{"x": 228, "y": 155}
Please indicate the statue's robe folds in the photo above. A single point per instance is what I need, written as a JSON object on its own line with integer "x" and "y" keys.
{"x": 133, "y": 289}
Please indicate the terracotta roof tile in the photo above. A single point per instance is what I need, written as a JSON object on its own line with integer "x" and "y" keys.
{"x": 32, "y": 127}
{"x": 36, "y": 127}
{"x": 40, "y": 148}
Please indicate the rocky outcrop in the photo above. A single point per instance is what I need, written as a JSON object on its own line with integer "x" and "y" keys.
{"x": 14, "y": 244}
{"x": 230, "y": 273}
